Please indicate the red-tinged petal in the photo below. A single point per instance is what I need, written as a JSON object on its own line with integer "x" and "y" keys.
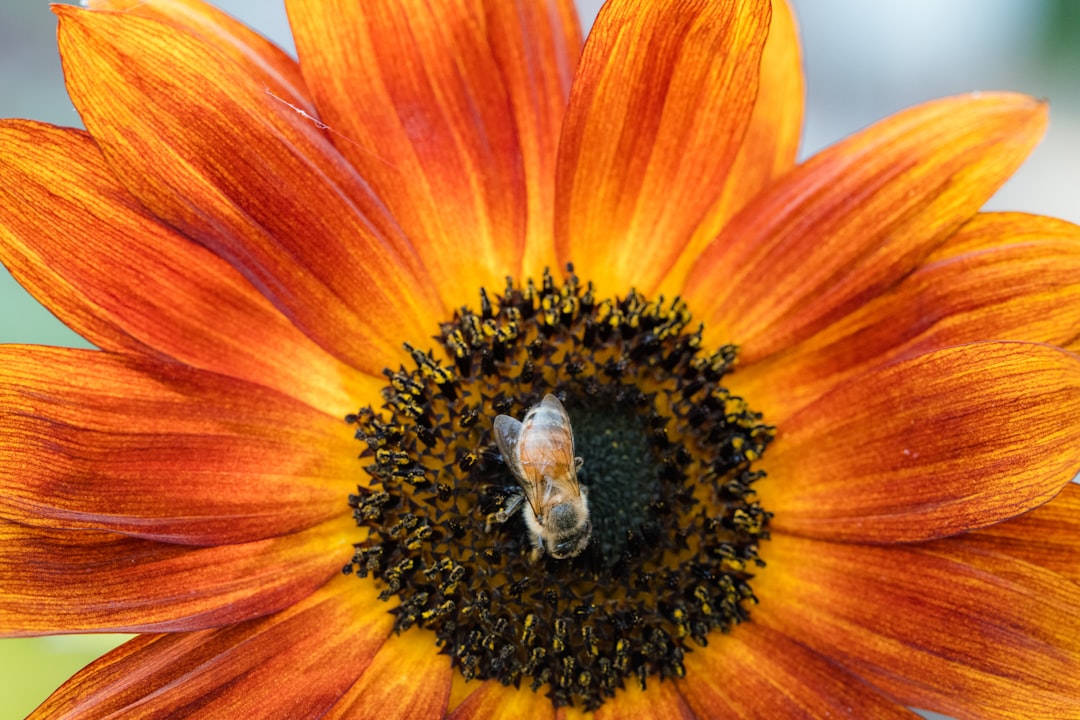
{"x": 201, "y": 144}
{"x": 162, "y": 451}
{"x": 407, "y": 678}
{"x": 91, "y": 253}
{"x": 494, "y": 701}
{"x": 993, "y": 230}
{"x": 415, "y": 100}
{"x": 295, "y": 664}
{"x": 938, "y": 444}
{"x": 1021, "y": 284}
{"x": 939, "y": 626}
{"x": 662, "y": 100}
{"x": 1048, "y": 536}
{"x": 756, "y": 673}
{"x": 266, "y": 62}
{"x": 660, "y": 700}
{"x": 771, "y": 143}
{"x": 536, "y": 45}
{"x": 856, "y": 218}
{"x": 89, "y": 581}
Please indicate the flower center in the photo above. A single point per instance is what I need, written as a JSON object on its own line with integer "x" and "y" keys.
{"x": 666, "y": 467}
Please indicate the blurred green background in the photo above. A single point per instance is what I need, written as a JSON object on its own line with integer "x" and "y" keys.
{"x": 863, "y": 60}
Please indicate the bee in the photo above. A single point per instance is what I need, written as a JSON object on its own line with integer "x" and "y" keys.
{"x": 539, "y": 451}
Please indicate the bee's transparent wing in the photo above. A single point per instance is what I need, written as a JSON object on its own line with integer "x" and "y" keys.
{"x": 557, "y": 455}
{"x": 507, "y": 433}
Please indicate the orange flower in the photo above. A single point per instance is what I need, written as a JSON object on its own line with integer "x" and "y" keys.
{"x": 830, "y": 477}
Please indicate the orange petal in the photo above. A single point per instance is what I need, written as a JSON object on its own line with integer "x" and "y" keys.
{"x": 415, "y": 100}
{"x": 1019, "y": 279}
{"x": 92, "y": 254}
{"x": 756, "y": 673}
{"x": 90, "y": 581}
{"x": 162, "y": 451}
{"x": 771, "y": 143}
{"x": 931, "y": 446}
{"x": 297, "y": 663}
{"x": 993, "y": 230}
{"x": 852, "y": 221}
{"x": 267, "y": 63}
{"x": 662, "y": 100}
{"x": 536, "y": 45}
{"x": 203, "y": 146}
{"x": 492, "y": 700}
{"x": 407, "y": 678}
{"x": 937, "y": 626}
{"x": 1048, "y": 536}
{"x": 660, "y": 700}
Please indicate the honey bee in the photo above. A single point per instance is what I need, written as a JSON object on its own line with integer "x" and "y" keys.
{"x": 539, "y": 451}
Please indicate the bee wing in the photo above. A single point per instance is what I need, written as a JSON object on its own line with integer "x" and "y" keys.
{"x": 560, "y": 419}
{"x": 507, "y": 434}
{"x": 548, "y": 453}
{"x": 507, "y": 431}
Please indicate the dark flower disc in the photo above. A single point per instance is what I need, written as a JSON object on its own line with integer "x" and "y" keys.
{"x": 667, "y": 454}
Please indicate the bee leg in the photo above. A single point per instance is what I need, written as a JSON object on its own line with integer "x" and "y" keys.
{"x": 537, "y": 552}
{"x": 513, "y": 504}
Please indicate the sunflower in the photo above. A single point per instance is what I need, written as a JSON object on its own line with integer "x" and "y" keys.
{"x": 827, "y": 412}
